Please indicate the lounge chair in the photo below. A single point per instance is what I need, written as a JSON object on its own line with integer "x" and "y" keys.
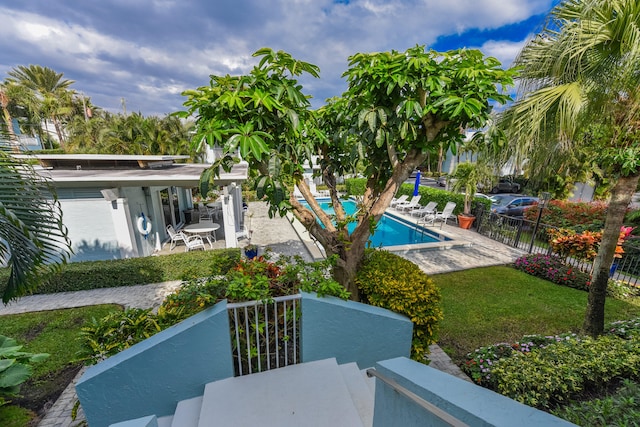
{"x": 194, "y": 242}
{"x": 430, "y": 208}
{"x": 175, "y": 237}
{"x": 396, "y": 201}
{"x": 407, "y": 206}
{"x": 442, "y": 217}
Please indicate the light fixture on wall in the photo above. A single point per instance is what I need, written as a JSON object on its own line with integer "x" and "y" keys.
{"x": 110, "y": 194}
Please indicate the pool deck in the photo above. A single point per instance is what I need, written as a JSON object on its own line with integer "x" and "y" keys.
{"x": 466, "y": 249}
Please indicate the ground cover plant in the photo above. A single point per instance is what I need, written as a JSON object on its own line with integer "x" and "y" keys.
{"x": 54, "y": 332}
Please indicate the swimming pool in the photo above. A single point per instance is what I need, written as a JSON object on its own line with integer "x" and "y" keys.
{"x": 391, "y": 230}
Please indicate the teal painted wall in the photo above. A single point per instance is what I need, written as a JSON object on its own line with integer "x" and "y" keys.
{"x": 351, "y": 332}
{"x": 150, "y": 421}
{"x": 150, "y": 377}
{"x": 469, "y": 403}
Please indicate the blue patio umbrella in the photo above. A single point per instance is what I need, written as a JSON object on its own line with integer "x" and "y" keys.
{"x": 417, "y": 184}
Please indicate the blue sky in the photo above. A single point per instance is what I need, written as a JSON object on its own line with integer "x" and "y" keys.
{"x": 149, "y": 51}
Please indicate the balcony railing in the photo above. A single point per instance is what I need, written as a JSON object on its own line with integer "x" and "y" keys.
{"x": 265, "y": 334}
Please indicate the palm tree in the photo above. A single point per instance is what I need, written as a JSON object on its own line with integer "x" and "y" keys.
{"x": 33, "y": 241}
{"x": 580, "y": 78}
{"x": 52, "y": 91}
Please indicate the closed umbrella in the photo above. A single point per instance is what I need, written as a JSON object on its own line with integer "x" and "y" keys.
{"x": 416, "y": 187}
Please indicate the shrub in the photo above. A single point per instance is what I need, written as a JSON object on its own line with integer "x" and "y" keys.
{"x": 554, "y": 269}
{"x": 117, "y": 331}
{"x": 625, "y": 329}
{"x": 394, "y": 283}
{"x": 560, "y": 372}
{"x": 481, "y": 361}
{"x": 568, "y": 243}
{"x": 619, "y": 409}
{"x": 78, "y": 276}
{"x": 355, "y": 186}
{"x": 577, "y": 216}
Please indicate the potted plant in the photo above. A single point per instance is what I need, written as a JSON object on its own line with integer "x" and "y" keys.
{"x": 467, "y": 176}
{"x": 251, "y": 250}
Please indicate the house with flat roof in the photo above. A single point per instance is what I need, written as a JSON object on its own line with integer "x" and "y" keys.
{"x": 119, "y": 206}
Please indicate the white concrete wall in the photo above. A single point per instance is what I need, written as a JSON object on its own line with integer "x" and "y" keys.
{"x": 91, "y": 229}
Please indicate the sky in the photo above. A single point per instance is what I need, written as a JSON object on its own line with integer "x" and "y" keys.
{"x": 141, "y": 54}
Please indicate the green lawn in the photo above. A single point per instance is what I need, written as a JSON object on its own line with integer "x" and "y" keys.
{"x": 54, "y": 332}
{"x": 486, "y": 306}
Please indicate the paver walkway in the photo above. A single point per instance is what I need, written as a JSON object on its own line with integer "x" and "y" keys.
{"x": 278, "y": 234}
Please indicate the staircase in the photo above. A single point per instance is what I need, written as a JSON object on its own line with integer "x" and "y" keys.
{"x": 320, "y": 393}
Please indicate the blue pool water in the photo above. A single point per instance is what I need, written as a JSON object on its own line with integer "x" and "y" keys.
{"x": 390, "y": 231}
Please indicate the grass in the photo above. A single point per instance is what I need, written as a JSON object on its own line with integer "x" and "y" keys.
{"x": 489, "y": 305}
{"x": 54, "y": 332}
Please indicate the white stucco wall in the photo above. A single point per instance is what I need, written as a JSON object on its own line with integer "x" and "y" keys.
{"x": 91, "y": 229}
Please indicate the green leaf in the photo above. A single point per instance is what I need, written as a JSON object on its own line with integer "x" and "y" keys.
{"x": 14, "y": 375}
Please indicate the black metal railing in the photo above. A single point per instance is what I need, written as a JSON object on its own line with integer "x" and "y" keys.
{"x": 533, "y": 237}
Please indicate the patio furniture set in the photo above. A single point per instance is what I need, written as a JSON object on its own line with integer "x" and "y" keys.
{"x": 428, "y": 214}
{"x": 193, "y": 235}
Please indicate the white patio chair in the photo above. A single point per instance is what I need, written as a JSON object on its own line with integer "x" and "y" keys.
{"x": 194, "y": 242}
{"x": 407, "y": 206}
{"x": 175, "y": 237}
{"x": 396, "y": 201}
{"x": 442, "y": 217}
{"x": 429, "y": 208}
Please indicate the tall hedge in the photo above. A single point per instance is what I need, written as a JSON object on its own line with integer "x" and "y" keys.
{"x": 79, "y": 276}
{"x": 389, "y": 281}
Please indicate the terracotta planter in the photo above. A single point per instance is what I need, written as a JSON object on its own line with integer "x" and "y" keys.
{"x": 465, "y": 221}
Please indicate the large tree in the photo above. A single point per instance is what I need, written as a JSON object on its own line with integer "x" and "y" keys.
{"x": 33, "y": 240}
{"x": 580, "y": 79}
{"x": 399, "y": 107}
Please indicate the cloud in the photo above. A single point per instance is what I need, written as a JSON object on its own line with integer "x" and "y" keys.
{"x": 148, "y": 51}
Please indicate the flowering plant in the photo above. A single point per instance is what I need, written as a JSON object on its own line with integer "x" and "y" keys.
{"x": 554, "y": 269}
{"x": 481, "y": 361}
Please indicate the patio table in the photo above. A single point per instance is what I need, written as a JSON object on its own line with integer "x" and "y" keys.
{"x": 204, "y": 228}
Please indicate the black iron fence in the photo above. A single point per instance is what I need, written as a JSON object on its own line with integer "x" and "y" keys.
{"x": 532, "y": 237}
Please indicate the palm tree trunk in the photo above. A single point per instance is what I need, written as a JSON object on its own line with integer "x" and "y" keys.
{"x": 620, "y": 199}
{"x": 13, "y": 139}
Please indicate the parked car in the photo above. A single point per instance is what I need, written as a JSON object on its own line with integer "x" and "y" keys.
{"x": 505, "y": 185}
{"x": 513, "y": 204}
{"x": 484, "y": 196}
{"x": 442, "y": 181}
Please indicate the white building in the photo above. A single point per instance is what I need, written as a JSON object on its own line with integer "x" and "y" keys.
{"x": 104, "y": 198}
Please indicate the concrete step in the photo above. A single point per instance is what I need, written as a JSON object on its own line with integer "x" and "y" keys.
{"x": 312, "y": 394}
{"x": 165, "y": 421}
{"x": 361, "y": 394}
{"x": 371, "y": 381}
{"x": 187, "y": 413}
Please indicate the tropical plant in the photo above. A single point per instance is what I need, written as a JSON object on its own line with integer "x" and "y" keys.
{"x": 399, "y": 107}
{"x": 467, "y": 176}
{"x": 33, "y": 240}
{"x": 50, "y": 89}
{"x": 580, "y": 82}
{"x": 14, "y": 367}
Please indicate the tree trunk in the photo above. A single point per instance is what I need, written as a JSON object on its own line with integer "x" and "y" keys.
{"x": 13, "y": 139}
{"x": 620, "y": 198}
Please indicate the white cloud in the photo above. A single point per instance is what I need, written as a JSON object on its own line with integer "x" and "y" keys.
{"x": 150, "y": 50}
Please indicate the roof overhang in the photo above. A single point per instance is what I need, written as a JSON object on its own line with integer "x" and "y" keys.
{"x": 92, "y": 170}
